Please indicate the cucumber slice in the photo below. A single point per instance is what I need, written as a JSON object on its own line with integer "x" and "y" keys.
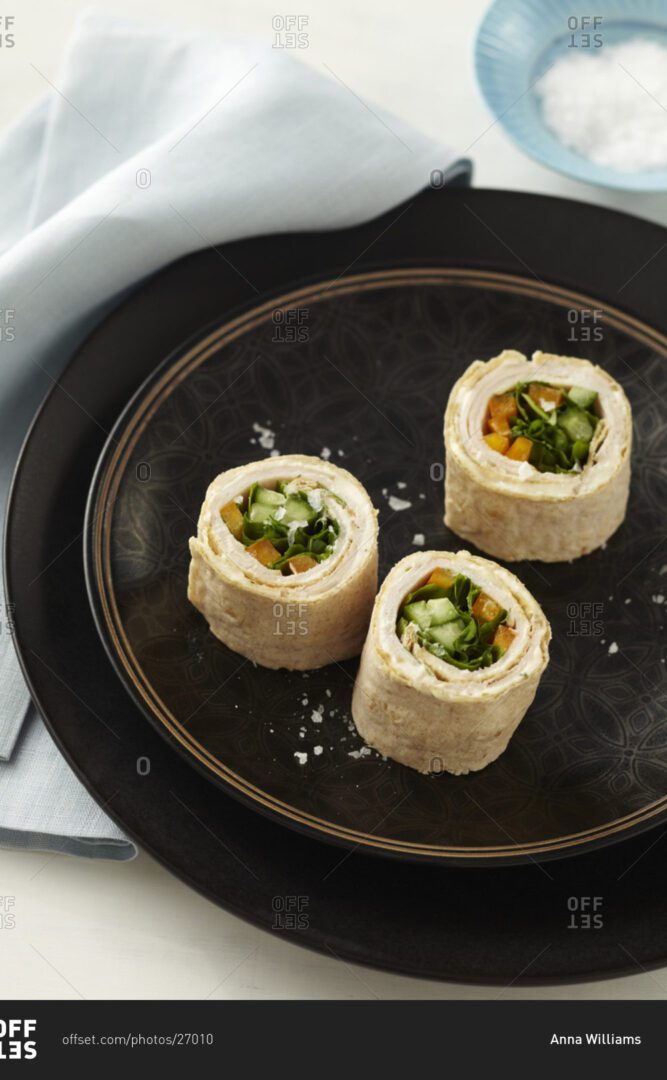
{"x": 266, "y": 497}
{"x": 582, "y": 397}
{"x": 441, "y": 611}
{"x": 297, "y": 510}
{"x": 446, "y": 635}
{"x": 418, "y": 613}
{"x": 259, "y": 514}
{"x": 575, "y": 424}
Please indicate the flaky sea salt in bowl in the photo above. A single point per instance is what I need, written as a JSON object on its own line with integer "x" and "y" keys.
{"x": 583, "y": 94}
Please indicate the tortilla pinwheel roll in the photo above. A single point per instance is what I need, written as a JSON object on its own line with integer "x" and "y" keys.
{"x": 452, "y": 661}
{"x": 537, "y": 456}
{"x": 284, "y": 564}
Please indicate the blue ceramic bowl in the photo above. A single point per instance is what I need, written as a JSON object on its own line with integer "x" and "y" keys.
{"x": 519, "y": 39}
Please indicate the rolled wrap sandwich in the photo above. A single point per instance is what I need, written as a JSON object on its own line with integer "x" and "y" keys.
{"x": 284, "y": 564}
{"x": 537, "y": 456}
{"x": 452, "y": 661}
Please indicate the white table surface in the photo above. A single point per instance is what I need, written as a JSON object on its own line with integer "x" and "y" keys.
{"x": 112, "y": 930}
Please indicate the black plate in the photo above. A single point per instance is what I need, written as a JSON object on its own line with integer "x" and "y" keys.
{"x": 367, "y": 374}
{"x": 504, "y": 924}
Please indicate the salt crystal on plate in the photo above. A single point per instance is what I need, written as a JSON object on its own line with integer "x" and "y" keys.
{"x": 399, "y": 504}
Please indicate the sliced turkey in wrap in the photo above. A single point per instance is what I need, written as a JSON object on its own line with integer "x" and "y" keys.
{"x": 305, "y": 620}
{"x": 422, "y": 711}
{"x": 508, "y": 508}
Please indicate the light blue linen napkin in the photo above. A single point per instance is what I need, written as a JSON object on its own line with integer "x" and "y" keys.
{"x": 150, "y": 144}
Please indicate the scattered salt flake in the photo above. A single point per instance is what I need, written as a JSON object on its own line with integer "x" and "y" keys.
{"x": 421, "y": 495}
{"x": 658, "y": 598}
{"x": 304, "y": 701}
{"x": 316, "y": 716}
{"x": 341, "y": 453}
{"x": 275, "y": 453}
{"x": 328, "y": 693}
{"x": 628, "y": 601}
{"x": 401, "y": 484}
{"x": 399, "y": 504}
{"x": 663, "y": 569}
{"x": 613, "y": 648}
{"x": 385, "y": 491}
{"x": 418, "y": 539}
{"x": 317, "y": 750}
{"x": 356, "y": 754}
{"x": 267, "y": 438}
{"x": 301, "y": 757}
{"x": 325, "y": 453}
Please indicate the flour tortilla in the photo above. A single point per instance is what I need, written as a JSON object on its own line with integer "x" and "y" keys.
{"x": 509, "y": 509}
{"x": 305, "y": 620}
{"x": 428, "y": 714}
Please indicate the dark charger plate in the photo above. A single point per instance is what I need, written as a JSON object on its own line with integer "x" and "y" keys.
{"x": 508, "y": 923}
{"x": 361, "y": 366}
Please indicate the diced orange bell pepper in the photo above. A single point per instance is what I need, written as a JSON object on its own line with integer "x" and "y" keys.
{"x": 503, "y": 637}
{"x": 485, "y": 609}
{"x": 503, "y": 405}
{"x": 498, "y": 425}
{"x": 300, "y": 563}
{"x": 547, "y": 397}
{"x": 497, "y": 442}
{"x": 441, "y": 578}
{"x": 521, "y": 449}
{"x": 233, "y": 519}
{"x": 264, "y": 552}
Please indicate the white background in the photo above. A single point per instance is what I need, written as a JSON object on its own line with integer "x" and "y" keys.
{"x": 109, "y": 930}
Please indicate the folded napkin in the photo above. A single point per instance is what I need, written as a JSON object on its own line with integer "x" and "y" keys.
{"x": 148, "y": 145}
